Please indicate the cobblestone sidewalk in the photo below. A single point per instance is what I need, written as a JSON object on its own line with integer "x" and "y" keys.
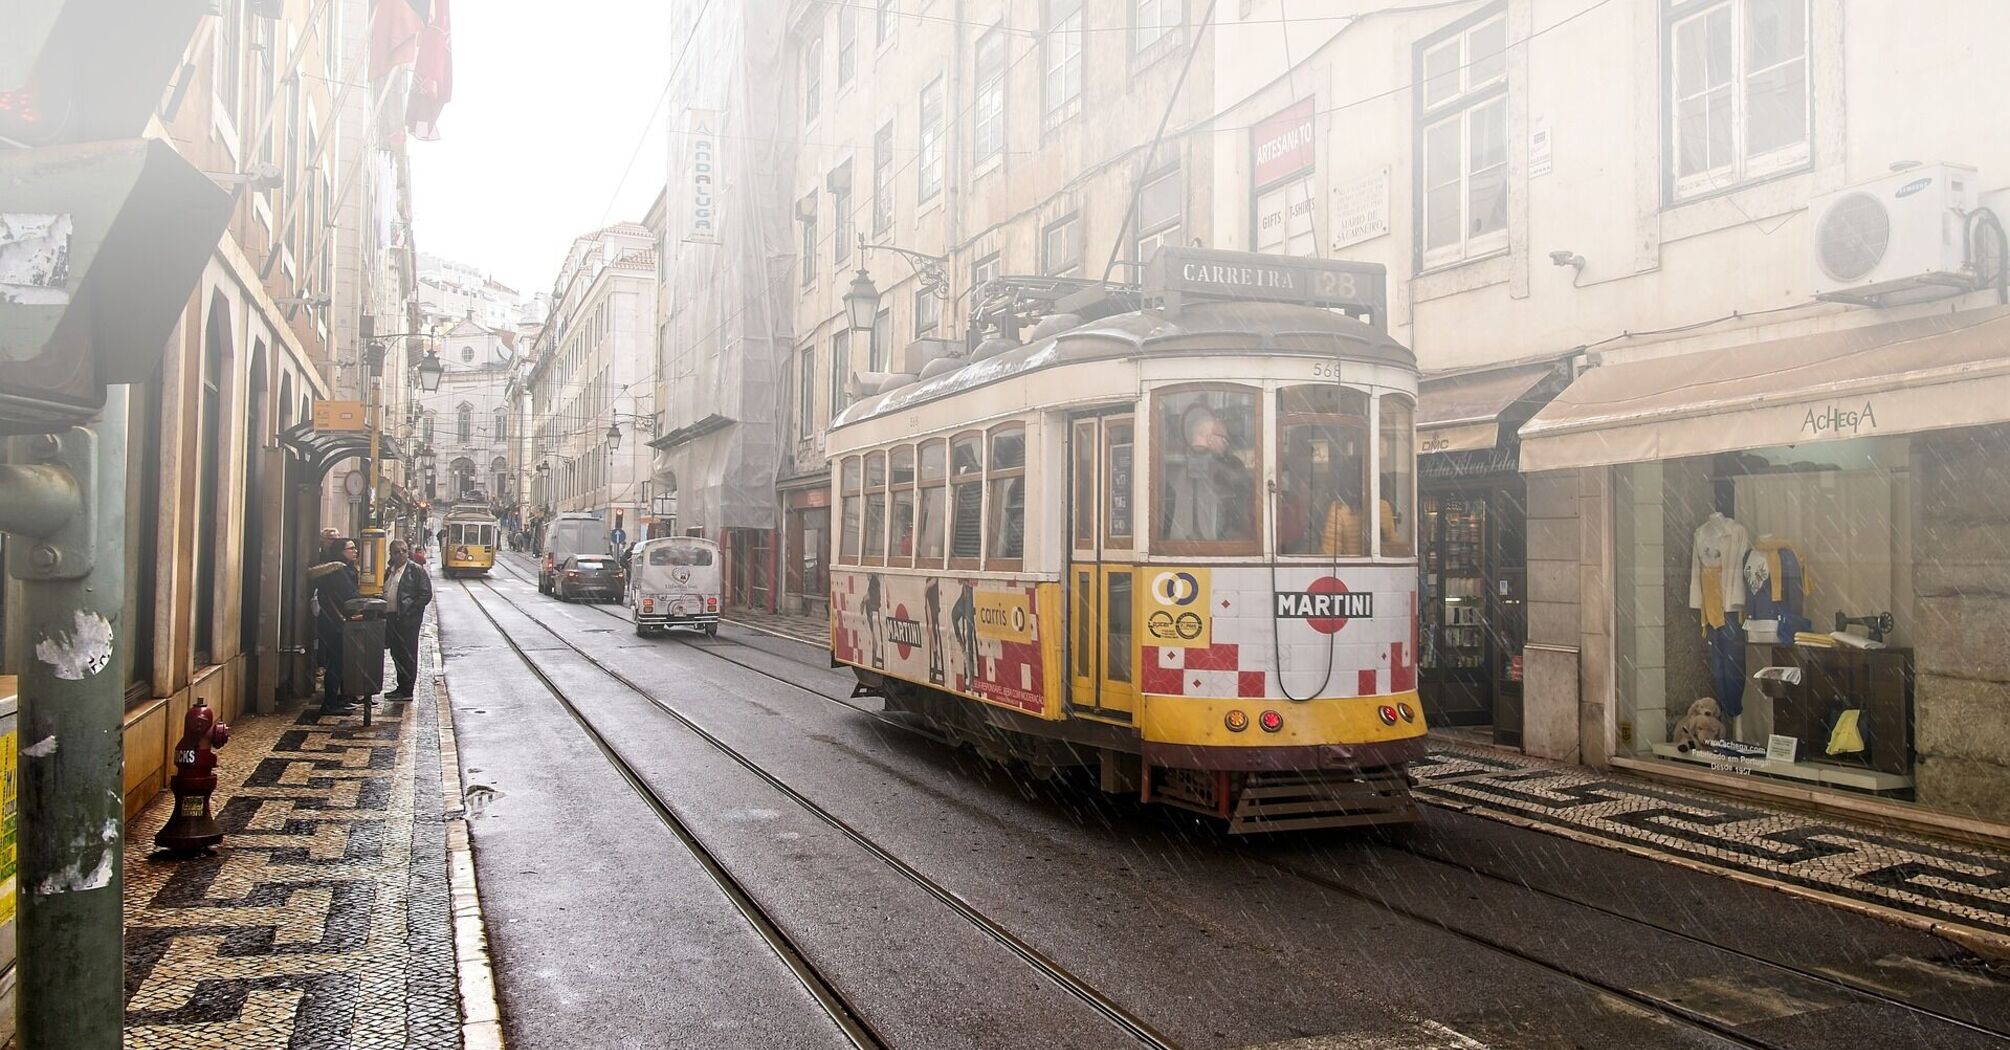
{"x": 1959, "y": 890}
{"x": 324, "y": 922}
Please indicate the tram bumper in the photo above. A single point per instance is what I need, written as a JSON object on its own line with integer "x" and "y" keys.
{"x": 1389, "y": 754}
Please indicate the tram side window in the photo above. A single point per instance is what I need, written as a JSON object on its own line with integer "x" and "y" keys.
{"x": 1398, "y": 458}
{"x": 852, "y": 500}
{"x": 1207, "y": 468}
{"x": 901, "y": 468}
{"x": 1008, "y": 496}
{"x": 966, "y": 497}
{"x": 1322, "y": 471}
{"x": 875, "y": 507}
{"x": 934, "y": 502}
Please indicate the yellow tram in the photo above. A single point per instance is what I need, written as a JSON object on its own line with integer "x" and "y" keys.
{"x": 1141, "y": 539}
{"x": 470, "y": 546}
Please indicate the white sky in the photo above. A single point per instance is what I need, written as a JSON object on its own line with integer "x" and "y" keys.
{"x": 549, "y": 102}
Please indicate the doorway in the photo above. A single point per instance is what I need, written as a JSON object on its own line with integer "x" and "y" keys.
{"x": 1102, "y": 564}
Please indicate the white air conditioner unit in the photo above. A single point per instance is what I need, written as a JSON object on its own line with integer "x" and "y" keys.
{"x": 1897, "y": 239}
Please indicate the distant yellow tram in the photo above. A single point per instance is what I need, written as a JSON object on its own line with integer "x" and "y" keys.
{"x": 1170, "y": 534}
{"x": 470, "y": 547}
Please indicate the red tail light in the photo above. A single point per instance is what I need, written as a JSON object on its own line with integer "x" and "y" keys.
{"x": 1387, "y": 714}
{"x": 572, "y": 574}
{"x": 1271, "y": 721}
{"x": 712, "y": 604}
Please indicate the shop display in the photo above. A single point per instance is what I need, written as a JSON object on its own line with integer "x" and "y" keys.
{"x": 1699, "y": 727}
{"x": 1850, "y": 706}
{"x": 1717, "y": 592}
{"x": 1777, "y": 584}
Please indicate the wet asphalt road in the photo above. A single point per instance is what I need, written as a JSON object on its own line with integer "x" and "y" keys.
{"x": 1460, "y": 933}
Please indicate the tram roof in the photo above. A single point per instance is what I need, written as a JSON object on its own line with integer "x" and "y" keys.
{"x": 1197, "y": 328}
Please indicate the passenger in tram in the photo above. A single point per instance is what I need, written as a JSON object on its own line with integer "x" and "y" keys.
{"x": 1210, "y": 491}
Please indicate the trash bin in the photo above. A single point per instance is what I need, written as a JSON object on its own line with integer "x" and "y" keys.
{"x": 363, "y": 645}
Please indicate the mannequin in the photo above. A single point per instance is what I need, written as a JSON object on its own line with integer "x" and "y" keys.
{"x": 1717, "y": 592}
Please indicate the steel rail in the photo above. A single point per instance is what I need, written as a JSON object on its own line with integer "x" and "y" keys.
{"x": 1138, "y": 1028}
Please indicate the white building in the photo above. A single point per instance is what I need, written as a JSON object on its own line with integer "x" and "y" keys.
{"x": 592, "y": 382}
{"x": 451, "y": 291}
{"x": 463, "y": 427}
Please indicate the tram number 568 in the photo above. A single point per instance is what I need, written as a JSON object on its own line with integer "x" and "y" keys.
{"x": 1326, "y": 370}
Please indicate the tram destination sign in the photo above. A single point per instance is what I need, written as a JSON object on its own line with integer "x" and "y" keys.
{"x": 1208, "y": 273}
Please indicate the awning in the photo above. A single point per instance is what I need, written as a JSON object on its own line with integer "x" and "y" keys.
{"x": 1928, "y": 373}
{"x": 1462, "y": 411}
{"x": 321, "y": 451}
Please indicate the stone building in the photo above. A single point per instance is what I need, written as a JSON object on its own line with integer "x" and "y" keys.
{"x": 464, "y": 426}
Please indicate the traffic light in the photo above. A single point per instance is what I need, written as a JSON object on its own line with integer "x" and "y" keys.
{"x": 103, "y": 234}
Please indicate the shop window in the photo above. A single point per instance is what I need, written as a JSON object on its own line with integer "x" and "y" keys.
{"x": 1206, "y": 469}
{"x": 1397, "y": 454}
{"x": 900, "y": 480}
{"x": 933, "y": 530}
{"x": 1462, "y": 142}
{"x": 966, "y": 497}
{"x": 1737, "y": 97}
{"x": 1007, "y": 479}
{"x": 1322, "y": 471}
{"x": 875, "y": 508}
{"x": 851, "y": 499}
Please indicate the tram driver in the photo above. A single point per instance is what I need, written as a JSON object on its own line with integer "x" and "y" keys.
{"x": 1211, "y": 492}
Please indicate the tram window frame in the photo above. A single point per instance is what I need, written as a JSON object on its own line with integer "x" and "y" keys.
{"x": 1353, "y": 415}
{"x": 998, "y": 482}
{"x": 1086, "y": 507}
{"x": 851, "y": 504}
{"x": 1161, "y": 510}
{"x": 958, "y": 482}
{"x": 1112, "y": 539}
{"x": 901, "y": 458}
{"x": 926, "y": 554}
{"x": 1403, "y": 514}
{"x": 875, "y": 506}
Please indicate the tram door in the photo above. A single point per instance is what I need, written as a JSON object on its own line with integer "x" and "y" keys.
{"x": 1102, "y": 566}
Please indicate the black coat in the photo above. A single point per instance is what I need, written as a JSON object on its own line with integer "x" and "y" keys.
{"x": 415, "y": 592}
{"x": 335, "y": 582}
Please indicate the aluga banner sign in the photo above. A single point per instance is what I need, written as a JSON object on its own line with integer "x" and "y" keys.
{"x": 702, "y": 179}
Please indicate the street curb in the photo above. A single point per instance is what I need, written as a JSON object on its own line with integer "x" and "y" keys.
{"x": 1985, "y": 943}
{"x": 821, "y": 643}
{"x": 481, "y": 1017}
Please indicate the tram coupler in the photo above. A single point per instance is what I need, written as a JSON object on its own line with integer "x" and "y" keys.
{"x": 193, "y": 829}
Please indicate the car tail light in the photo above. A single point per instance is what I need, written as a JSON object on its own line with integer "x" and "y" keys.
{"x": 648, "y": 605}
{"x": 1236, "y": 721}
{"x": 1409, "y": 713}
{"x": 1271, "y": 721}
{"x": 712, "y": 604}
{"x": 1387, "y": 713}
{"x": 572, "y": 574}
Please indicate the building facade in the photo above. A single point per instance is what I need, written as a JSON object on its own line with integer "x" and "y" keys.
{"x": 989, "y": 143}
{"x": 591, "y": 382}
{"x": 452, "y": 291}
{"x": 464, "y": 426}
{"x": 1715, "y": 350}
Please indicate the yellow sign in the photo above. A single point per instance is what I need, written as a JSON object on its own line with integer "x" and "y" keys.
{"x": 1005, "y": 616}
{"x": 1177, "y": 612}
{"x": 10, "y": 823}
{"x": 339, "y": 415}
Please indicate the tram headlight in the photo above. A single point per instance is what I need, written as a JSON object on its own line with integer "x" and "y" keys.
{"x": 1236, "y": 721}
{"x": 1271, "y": 721}
{"x": 1387, "y": 713}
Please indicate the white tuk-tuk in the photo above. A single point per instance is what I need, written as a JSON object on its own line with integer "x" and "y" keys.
{"x": 675, "y": 581}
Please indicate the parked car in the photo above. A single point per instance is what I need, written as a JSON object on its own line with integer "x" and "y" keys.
{"x": 590, "y": 577}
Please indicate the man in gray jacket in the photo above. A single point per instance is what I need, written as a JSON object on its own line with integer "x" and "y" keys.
{"x": 410, "y": 589}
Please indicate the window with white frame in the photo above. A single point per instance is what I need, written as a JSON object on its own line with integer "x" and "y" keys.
{"x": 1161, "y": 205}
{"x": 882, "y": 178}
{"x": 929, "y": 160}
{"x": 882, "y": 340}
{"x": 464, "y": 423}
{"x": 984, "y": 272}
{"x": 806, "y": 213}
{"x": 806, "y": 385}
{"x": 1738, "y": 92}
{"x": 840, "y": 188}
{"x": 1462, "y": 141}
{"x": 988, "y": 137}
{"x": 847, "y": 34}
{"x": 813, "y": 78}
{"x": 1061, "y": 247}
{"x": 927, "y": 312}
{"x": 887, "y": 18}
{"x": 1153, "y": 21}
{"x": 1061, "y": 61}
{"x": 229, "y": 53}
{"x": 840, "y": 370}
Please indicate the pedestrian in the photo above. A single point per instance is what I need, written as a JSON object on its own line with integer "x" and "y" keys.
{"x": 410, "y": 589}
{"x": 335, "y": 583}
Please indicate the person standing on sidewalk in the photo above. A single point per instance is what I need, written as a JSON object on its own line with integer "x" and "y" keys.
{"x": 335, "y": 583}
{"x": 410, "y": 588}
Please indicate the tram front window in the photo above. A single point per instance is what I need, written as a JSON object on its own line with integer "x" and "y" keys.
{"x": 1207, "y": 469}
{"x": 1398, "y": 471}
{"x": 1322, "y": 471}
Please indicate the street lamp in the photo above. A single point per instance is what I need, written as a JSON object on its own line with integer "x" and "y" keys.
{"x": 861, "y": 302}
{"x": 614, "y": 436}
{"x": 430, "y": 371}
{"x": 373, "y": 355}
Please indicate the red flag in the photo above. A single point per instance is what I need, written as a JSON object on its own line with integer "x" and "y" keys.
{"x": 395, "y": 26}
{"x": 433, "y": 81}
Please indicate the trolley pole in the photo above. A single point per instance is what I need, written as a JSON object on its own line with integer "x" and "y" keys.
{"x": 62, "y": 504}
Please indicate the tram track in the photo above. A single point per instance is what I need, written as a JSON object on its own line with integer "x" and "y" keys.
{"x": 826, "y": 993}
{"x": 1676, "y": 1012}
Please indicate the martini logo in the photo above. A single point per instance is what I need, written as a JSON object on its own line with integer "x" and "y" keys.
{"x": 904, "y": 633}
{"x": 1326, "y": 606}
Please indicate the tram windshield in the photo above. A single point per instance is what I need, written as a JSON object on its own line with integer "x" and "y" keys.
{"x": 1322, "y": 471}
{"x": 1398, "y": 458}
{"x": 1207, "y": 469}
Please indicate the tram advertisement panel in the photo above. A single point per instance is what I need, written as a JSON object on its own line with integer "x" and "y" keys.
{"x": 980, "y": 638}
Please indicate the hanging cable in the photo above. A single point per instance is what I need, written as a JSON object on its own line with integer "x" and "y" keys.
{"x": 1151, "y": 153}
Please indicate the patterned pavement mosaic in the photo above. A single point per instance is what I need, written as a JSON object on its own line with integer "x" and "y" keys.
{"x": 323, "y": 922}
{"x": 1940, "y": 881}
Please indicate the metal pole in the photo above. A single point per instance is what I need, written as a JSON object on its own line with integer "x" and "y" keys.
{"x": 72, "y": 828}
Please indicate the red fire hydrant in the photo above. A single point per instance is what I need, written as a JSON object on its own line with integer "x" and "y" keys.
{"x": 192, "y": 828}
